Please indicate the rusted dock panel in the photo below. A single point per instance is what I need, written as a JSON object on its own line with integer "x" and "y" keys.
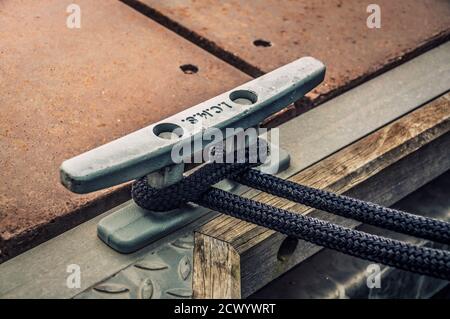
{"x": 260, "y": 36}
{"x": 65, "y": 91}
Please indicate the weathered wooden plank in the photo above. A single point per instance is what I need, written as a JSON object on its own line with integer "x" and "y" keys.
{"x": 220, "y": 275}
{"x": 418, "y": 140}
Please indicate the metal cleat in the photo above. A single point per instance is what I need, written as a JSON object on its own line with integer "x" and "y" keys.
{"x": 148, "y": 151}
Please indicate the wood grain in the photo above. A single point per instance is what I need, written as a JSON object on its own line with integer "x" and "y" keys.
{"x": 216, "y": 269}
{"x": 399, "y": 157}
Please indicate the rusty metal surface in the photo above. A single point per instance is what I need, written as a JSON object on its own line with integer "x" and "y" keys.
{"x": 333, "y": 31}
{"x": 64, "y": 91}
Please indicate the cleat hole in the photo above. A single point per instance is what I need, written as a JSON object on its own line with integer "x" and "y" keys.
{"x": 243, "y": 97}
{"x": 168, "y": 131}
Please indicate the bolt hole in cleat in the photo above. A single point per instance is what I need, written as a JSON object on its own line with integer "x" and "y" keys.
{"x": 150, "y": 151}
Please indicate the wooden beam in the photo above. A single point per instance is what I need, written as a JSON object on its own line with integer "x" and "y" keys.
{"x": 220, "y": 266}
{"x": 233, "y": 258}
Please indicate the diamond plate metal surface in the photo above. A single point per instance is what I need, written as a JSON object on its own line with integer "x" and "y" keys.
{"x": 164, "y": 273}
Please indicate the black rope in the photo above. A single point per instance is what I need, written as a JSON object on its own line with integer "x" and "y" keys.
{"x": 366, "y": 212}
{"x": 426, "y": 261}
{"x": 196, "y": 188}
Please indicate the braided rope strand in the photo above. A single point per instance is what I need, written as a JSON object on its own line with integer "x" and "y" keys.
{"x": 190, "y": 188}
{"x": 426, "y": 261}
{"x": 366, "y": 212}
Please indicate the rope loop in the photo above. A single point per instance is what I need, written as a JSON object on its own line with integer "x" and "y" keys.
{"x": 190, "y": 188}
